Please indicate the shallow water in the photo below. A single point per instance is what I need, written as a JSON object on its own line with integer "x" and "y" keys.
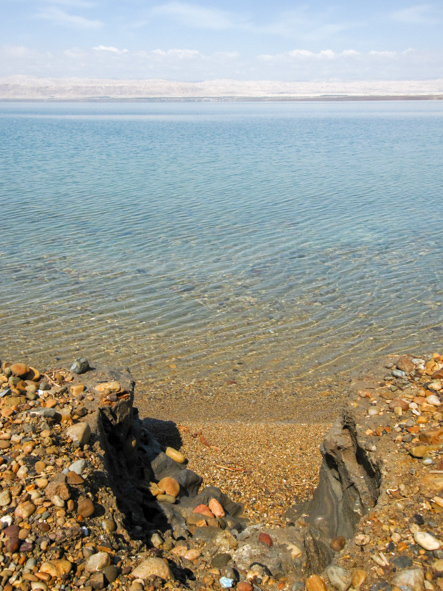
{"x": 184, "y": 238}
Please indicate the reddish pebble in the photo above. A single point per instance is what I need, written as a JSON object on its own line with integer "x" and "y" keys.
{"x": 203, "y": 510}
{"x": 244, "y": 586}
{"x": 216, "y": 508}
{"x": 265, "y": 539}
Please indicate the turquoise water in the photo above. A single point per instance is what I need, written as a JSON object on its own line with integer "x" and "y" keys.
{"x": 291, "y": 236}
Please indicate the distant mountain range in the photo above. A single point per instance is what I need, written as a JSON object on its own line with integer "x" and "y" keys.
{"x": 64, "y": 89}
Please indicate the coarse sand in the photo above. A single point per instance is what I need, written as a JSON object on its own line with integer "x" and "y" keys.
{"x": 266, "y": 466}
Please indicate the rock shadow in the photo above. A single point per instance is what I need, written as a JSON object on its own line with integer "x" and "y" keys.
{"x": 166, "y": 432}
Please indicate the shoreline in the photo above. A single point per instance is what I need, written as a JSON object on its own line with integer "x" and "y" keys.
{"x": 228, "y": 99}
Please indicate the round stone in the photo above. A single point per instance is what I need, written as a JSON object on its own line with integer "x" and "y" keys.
{"x": 25, "y": 509}
{"x": 169, "y": 486}
{"x": 338, "y": 543}
{"x": 97, "y": 562}
{"x": 315, "y": 583}
{"x": 153, "y": 566}
{"x": 85, "y": 508}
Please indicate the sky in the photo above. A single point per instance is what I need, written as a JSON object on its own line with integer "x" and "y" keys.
{"x": 218, "y": 39}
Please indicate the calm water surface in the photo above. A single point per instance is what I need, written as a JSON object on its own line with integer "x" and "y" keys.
{"x": 188, "y": 237}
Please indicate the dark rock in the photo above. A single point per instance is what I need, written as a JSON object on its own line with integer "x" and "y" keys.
{"x": 401, "y": 562}
{"x": 349, "y": 482}
{"x": 318, "y": 553}
{"x": 163, "y": 466}
{"x": 98, "y": 581}
{"x": 80, "y": 365}
{"x": 189, "y": 481}
{"x": 221, "y": 560}
{"x": 111, "y": 573}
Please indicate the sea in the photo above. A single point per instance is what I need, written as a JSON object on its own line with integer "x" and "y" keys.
{"x": 181, "y": 238}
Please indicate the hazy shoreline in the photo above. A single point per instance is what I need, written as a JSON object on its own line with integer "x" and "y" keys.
{"x": 251, "y": 99}
{"x": 32, "y": 89}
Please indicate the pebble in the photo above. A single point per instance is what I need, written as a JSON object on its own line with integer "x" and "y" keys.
{"x": 78, "y": 466}
{"x": 19, "y": 369}
{"x": 80, "y": 365}
{"x": 25, "y": 509}
{"x": 412, "y": 578}
{"x": 192, "y": 554}
{"x": 338, "y": 543}
{"x": 175, "y": 455}
{"x": 5, "y": 498}
{"x": 216, "y": 508}
{"x": 203, "y": 510}
{"x": 85, "y": 508}
{"x": 339, "y": 577}
{"x": 265, "y": 539}
{"x": 169, "y": 486}
{"x": 97, "y": 562}
{"x": 426, "y": 541}
{"x": 153, "y": 566}
{"x": 358, "y": 578}
{"x": 315, "y": 583}
{"x": 79, "y": 433}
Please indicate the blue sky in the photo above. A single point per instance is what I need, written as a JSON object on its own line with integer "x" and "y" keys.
{"x": 210, "y": 39}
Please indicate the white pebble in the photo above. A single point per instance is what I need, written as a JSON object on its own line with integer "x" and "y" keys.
{"x": 426, "y": 541}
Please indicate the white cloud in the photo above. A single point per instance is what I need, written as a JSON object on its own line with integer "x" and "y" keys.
{"x": 60, "y": 17}
{"x": 110, "y": 49}
{"x": 184, "y": 64}
{"x": 421, "y": 14}
{"x": 180, "y": 54}
{"x": 383, "y": 54}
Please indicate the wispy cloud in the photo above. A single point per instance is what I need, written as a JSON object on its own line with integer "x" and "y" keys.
{"x": 63, "y": 18}
{"x": 71, "y": 3}
{"x": 197, "y": 16}
{"x": 301, "y": 23}
{"x": 422, "y": 14}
